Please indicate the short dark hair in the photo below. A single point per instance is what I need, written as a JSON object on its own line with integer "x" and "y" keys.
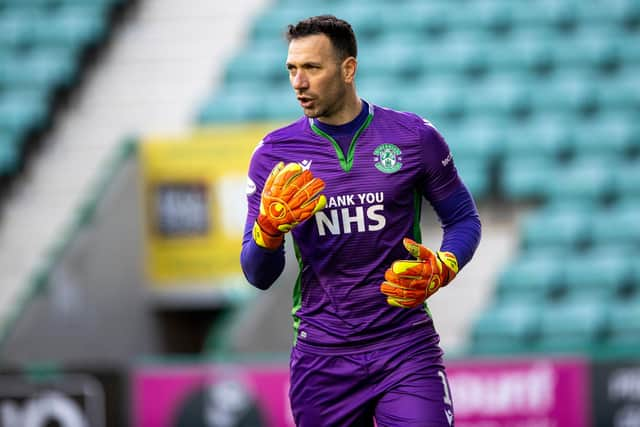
{"x": 338, "y": 30}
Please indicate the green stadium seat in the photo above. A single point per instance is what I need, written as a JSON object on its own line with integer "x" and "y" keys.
{"x": 28, "y": 4}
{"x": 589, "y": 48}
{"x": 625, "y": 14}
{"x": 623, "y": 45}
{"x": 280, "y": 105}
{"x": 387, "y": 59}
{"x": 624, "y": 324}
{"x": 382, "y": 90}
{"x": 588, "y": 178}
{"x": 473, "y": 145}
{"x": 534, "y": 276}
{"x": 601, "y": 273}
{"x": 20, "y": 113}
{"x": 272, "y": 23}
{"x": 614, "y": 14}
{"x": 434, "y": 96}
{"x": 504, "y": 96}
{"x": 561, "y": 225}
{"x": 455, "y": 54}
{"x": 626, "y": 178}
{"x": 524, "y": 51}
{"x": 72, "y": 27}
{"x": 572, "y": 326}
{"x": 16, "y": 30}
{"x": 366, "y": 21}
{"x": 620, "y": 92}
{"x": 265, "y": 62}
{"x": 409, "y": 20}
{"x": 527, "y": 178}
{"x": 475, "y": 138}
{"x": 571, "y": 92}
{"x": 505, "y": 328}
{"x": 609, "y": 134}
{"x": 9, "y": 153}
{"x": 540, "y": 136}
{"x": 618, "y": 223}
{"x": 476, "y": 174}
{"x": 44, "y": 69}
{"x": 226, "y": 107}
{"x": 559, "y": 17}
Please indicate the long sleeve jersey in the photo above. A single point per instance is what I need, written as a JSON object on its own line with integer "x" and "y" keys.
{"x": 374, "y": 188}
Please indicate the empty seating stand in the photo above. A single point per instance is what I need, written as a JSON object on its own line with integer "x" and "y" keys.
{"x": 43, "y": 44}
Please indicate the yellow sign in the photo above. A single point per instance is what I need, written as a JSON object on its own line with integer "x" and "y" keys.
{"x": 195, "y": 204}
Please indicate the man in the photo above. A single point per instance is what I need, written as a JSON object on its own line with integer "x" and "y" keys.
{"x": 347, "y": 181}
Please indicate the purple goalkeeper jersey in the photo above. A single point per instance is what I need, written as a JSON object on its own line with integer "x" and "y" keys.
{"x": 374, "y": 192}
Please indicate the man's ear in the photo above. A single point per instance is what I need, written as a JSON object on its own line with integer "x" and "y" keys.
{"x": 349, "y": 67}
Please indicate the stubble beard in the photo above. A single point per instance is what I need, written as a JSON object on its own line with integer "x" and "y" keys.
{"x": 329, "y": 109}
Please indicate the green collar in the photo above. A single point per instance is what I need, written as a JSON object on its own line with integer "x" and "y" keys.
{"x": 345, "y": 162}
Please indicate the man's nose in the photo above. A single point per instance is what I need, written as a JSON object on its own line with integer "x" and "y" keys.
{"x": 300, "y": 81}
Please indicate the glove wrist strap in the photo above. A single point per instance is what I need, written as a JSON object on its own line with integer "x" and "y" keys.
{"x": 266, "y": 240}
{"x": 451, "y": 263}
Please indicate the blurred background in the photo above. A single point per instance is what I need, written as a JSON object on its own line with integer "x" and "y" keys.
{"x": 126, "y": 127}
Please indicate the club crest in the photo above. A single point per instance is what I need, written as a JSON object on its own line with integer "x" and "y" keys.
{"x": 387, "y": 158}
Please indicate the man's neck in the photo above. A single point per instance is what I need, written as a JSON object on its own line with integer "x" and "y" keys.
{"x": 350, "y": 110}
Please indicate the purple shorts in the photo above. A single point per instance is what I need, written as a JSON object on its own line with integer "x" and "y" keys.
{"x": 396, "y": 386}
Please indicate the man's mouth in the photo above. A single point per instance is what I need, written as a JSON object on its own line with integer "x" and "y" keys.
{"x": 305, "y": 101}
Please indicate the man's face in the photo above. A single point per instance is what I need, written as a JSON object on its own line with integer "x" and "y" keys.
{"x": 316, "y": 76}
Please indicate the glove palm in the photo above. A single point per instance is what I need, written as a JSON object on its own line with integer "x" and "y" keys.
{"x": 408, "y": 283}
{"x": 290, "y": 195}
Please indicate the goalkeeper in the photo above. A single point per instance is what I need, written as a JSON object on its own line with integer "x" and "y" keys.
{"x": 346, "y": 184}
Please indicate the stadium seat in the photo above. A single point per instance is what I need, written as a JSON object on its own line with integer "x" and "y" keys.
{"x": 21, "y": 113}
{"x": 572, "y": 326}
{"x": 230, "y": 107}
{"x": 9, "y": 153}
{"x": 560, "y": 224}
{"x": 618, "y": 223}
{"x": 16, "y": 28}
{"x": 610, "y": 134}
{"x": 476, "y": 174}
{"x": 541, "y": 136}
{"x": 73, "y": 26}
{"x": 44, "y": 69}
{"x": 504, "y": 96}
{"x": 624, "y": 324}
{"x": 566, "y": 92}
{"x": 525, "y": 51}
{"x": 263, "y": 62}
{"x": 434, "y": 96}
{"x": 408, "y": 22}
{"x": 383, "y": 90}
{"x": 601, "y": 273}
{"x": 505, "y": 328}
{"x": 272, "y": 23}
{"x": 387, "y": 59}
{"x": 620, "y": 92}
{"x": 366, "y": 21}
{"x": 587, "y": 49}
{"x": 459, "y": 55}
{"x": 279, "y": 105}
{"x": 474, "y": 138}
{"x": 586, "y": 177}
{"x": 533, "y": 277}
{"x": 626, "y": 178}
{"x": 527, "y": 178}
{"x": 618, "y": 14}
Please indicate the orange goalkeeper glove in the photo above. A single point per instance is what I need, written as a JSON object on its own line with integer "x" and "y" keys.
{"x": 290, "y": 196}
{"x": 408, "y": 283}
